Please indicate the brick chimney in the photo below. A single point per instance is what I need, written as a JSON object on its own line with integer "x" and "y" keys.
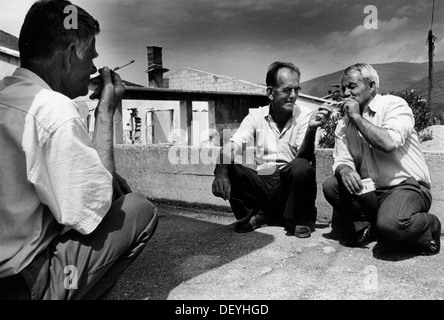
{"x": 155, "y": 68}
{"x": 336, "y": 91}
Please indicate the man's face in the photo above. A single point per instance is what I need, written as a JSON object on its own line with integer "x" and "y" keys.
{"x": 354, "y": 87}
{"x": 82, "y": 71}
{"x": 286, "y": 90}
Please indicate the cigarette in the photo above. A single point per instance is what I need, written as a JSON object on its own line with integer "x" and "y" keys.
{"x": 114, "y": 69}
{"x": 126, "y": 64}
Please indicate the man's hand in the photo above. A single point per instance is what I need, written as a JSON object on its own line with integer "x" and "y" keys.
{"x": 123, "y": 184}
{"x": 351, "y": 108}
{"x": 221, "y": 186}
{"x": 110, "y": 92}
{"x": 351, "y": 180}
{"x": 320, "y": 116}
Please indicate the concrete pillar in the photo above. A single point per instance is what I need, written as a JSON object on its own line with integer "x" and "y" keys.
{"x": 186, "y": 119}
{"x": 118, "y": 125}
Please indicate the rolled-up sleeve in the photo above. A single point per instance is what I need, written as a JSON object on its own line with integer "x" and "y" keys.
{"x": 398, "y": 121}
{"x": 71, "y": 180}
{"x": 303, "y": 122}
{"x": 245, "y": 132}
{"x": 341, "y": 151}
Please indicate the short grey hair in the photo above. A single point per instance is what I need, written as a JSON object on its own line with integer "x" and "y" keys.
{"x": 366, "y": 71}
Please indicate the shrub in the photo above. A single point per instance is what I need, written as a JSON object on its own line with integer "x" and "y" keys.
{"x": 421, "y": 111}
{"x": 327, "y": 139}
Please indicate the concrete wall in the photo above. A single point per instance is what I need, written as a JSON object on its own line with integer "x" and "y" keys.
{"x": 184, "y": 174}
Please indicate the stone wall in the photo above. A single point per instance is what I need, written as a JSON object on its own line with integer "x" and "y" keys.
{"x": 185, "y": 174}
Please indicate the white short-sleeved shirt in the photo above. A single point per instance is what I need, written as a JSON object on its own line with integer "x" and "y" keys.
{"x": 385, "y": 169}
{"x": 50, "y": 175}
{"x": 273, "y": 148}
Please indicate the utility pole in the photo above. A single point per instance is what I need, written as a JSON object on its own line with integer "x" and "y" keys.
{"x": 431, "y": 48}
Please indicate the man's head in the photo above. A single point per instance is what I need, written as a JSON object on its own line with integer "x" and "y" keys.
{"x": 46, "y": 46}
{"x": 360, "y": 82}
{"x": 283, "y": 85}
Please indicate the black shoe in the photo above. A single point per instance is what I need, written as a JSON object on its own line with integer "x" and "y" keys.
{"x": 362, "y": 239}
{"x": 256, "y": 221}
{"x": 435, "y": 243}
{"x": 339, "y": 232}
{"x": 367, "y": 236}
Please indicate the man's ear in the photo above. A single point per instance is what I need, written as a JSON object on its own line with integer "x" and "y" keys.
{"x": 70, "y": 57}
{"x": 372, "y": 86}
{"x": 270, "y": 93}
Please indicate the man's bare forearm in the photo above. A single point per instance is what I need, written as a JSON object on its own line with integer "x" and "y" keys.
{"x": 226, "y": 158}
{"x": 306, "y": 150}
{"x": 103, "y": 140}
{"x": 378, "y": 137}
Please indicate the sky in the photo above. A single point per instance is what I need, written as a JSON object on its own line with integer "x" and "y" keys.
{"x": 241, "y": 38}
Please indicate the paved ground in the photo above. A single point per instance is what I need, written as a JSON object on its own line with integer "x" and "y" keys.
{"x": 195, "y": 254}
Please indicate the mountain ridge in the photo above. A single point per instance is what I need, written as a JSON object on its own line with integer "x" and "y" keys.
{"x": 393, "y": 76}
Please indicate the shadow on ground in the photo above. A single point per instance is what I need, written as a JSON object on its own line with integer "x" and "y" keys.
{"x": 196, "y": 255}
{"x": 182, "y": 248}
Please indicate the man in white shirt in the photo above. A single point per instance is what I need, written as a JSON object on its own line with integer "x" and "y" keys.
{"x": 376, "y": 140}
{"x": 69, "y": 225}
{"x": 283, "y": 186}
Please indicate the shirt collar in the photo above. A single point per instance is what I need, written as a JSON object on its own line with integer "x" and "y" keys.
{"x": 25, "y": 74}
{"x": 374, "y": 105}
{"x": 267, "y": 116}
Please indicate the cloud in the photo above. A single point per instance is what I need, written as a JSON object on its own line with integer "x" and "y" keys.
{"x": 361, "y": 39}
{"x": 419, "y": 6}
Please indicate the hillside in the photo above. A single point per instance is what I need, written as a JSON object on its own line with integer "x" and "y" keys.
{"x": 395, "y": 76}
{"x": 422, "y": 88}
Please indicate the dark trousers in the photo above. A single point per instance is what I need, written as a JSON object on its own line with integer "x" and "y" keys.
{"x": 289, "y": 193}
{"x": 400, "y": 213}
{"x": 76, "y": 266}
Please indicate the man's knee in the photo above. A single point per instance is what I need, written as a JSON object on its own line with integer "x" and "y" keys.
{"x": 139, "y": 210}
{"x": 393, "y": 228}
{"x": 301, "y": 169}
{"x": 237, "y": 172}
{"x": 330, "y": 188}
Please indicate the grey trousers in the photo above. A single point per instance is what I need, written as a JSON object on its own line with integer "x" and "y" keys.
{"x": 400, "y": 212}
{"x": 76, "y": 266}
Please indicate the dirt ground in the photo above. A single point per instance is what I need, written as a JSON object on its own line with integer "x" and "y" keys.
{"x": 437, "y": 143}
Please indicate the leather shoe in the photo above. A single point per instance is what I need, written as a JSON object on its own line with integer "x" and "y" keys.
{"x": 367, "y": 236}
{"x": 256, "y": 221}
{"x": 364, "y": 237}
{"x": 302, "y": 231}
{"x": 435, "y": 243}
